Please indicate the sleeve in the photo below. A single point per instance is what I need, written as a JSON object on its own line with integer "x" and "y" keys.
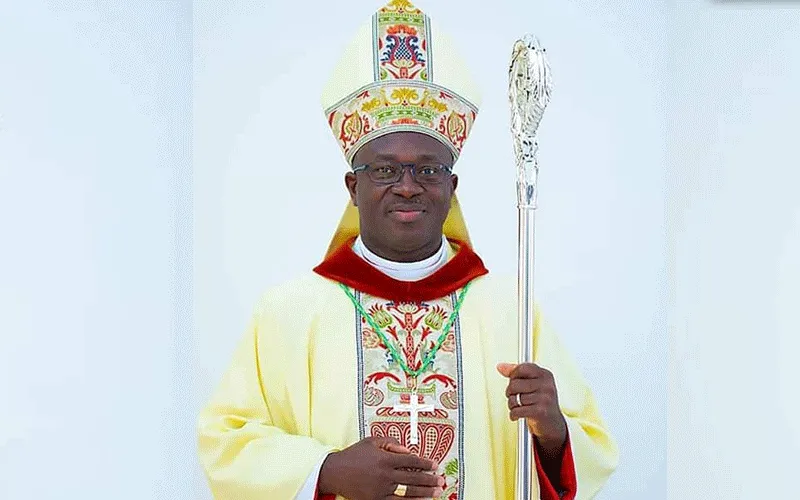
{"x": 309, "y": 489}
{"x": 245, "y": 447}
{"x": 592, "y": 450}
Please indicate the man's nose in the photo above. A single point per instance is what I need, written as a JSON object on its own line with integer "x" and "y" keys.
{"x": 407, "y": 186}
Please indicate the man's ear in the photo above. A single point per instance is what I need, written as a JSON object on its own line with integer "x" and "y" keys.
{"x": 454, "y": 181}
{"x": 351, "y": 182}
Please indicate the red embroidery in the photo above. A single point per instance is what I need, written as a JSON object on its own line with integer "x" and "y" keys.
{"x": 378, "y": 376}
{"x": 435, "y": 439}
{"x": 444, "y": 379}
{"x": 412, "y": 327}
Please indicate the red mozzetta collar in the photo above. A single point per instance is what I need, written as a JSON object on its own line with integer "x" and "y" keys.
{"x": 345, "y": 267}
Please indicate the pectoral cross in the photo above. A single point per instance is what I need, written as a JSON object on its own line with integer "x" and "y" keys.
{"x": 414, "y": 408}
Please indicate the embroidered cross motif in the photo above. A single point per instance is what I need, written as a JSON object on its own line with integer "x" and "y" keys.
{"x": 414, "y": 408}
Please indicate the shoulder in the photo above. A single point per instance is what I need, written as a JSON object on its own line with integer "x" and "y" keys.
{"x": 491, "y": 290}
{"x": 306, "y": 292}
{"x": 503, "y": 285}
{"x": 287, "y": 313}
{"x": 499, "y": 293}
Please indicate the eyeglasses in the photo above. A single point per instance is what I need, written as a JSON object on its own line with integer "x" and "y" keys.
{"x": 390, "y": 173}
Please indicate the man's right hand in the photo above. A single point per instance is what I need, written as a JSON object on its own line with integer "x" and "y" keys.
{"x": 373, "y": 468}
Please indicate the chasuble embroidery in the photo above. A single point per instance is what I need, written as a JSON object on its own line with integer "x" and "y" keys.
{"x": 386, "y": 404}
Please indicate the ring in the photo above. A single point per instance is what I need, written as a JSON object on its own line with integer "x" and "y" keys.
{"x": 400, "y": 491}
{"x": 519, "y": 401}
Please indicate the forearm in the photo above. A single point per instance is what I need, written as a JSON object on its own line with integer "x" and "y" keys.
{"x": 555, "y": 469}
{"x": 551, "y": 456}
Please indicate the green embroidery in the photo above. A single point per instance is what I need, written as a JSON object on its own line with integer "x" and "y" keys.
{"x": 451, "y": 469}
{"x": 426, "y": 389}
{"x": 435, "y": 318}
{"x": 427, "y": 359}
{"x": 382, "y": 318}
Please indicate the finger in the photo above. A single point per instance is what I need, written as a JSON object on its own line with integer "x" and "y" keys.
{"x": 420, "y": 492}
{"x": 523, "y": 386}
{"x": 530, "y": 386}
{"x": 384, "y": 441}
{"x": 521, "y": 412}
{"x": 529, "y": 370}
{"x": 415, "y": 478}
{"x": 526, "y": 399}
{"x": 412, "y": 461}
{"x": 506, "y": 369}
{"x": 395, "y": 448}
{"x": 535, "y": 412}
{"x": 389, "y": 444}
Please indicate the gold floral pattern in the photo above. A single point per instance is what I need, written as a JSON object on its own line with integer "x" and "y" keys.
{"x": 402, "y": 95}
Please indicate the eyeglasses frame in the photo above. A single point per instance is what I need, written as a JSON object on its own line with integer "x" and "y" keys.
{"x": 404, "y": 166}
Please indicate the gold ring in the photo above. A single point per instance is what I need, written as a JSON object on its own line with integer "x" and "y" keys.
{"x": 519, "y": 401}
{"x": 400, "y": 491}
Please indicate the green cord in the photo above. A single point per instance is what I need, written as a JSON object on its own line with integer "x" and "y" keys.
{"x": 429, "y": 358}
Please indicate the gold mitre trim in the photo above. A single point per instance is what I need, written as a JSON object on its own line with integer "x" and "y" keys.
{"x": 400, "y": 73}
{"x": 385, "y": 107}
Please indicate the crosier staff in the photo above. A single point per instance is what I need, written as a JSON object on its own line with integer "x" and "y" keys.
{"x": 529, "y": 89}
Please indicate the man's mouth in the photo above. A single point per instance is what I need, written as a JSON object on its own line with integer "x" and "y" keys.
{"x": 406, "y": 214}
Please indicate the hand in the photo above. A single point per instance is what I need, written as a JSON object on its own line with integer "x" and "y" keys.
{"x": 372, "y": 468}
{"x": 536, "y": 388}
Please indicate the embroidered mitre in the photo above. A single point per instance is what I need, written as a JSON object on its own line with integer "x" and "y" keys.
{"x": 400, "y": 73}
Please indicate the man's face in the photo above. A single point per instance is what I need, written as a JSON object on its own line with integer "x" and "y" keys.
{"x": 405, "y": 218}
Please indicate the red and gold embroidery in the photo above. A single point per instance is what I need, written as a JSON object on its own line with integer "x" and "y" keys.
{"x": 420, "y": 106}
{"x": 387, "y": 403}
{"x": 402, "y": 95}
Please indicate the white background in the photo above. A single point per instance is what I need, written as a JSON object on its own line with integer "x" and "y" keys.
{"x": 144, "y": 208}
{"x": 95, "y": 145}
{"x": 734, "y": 252}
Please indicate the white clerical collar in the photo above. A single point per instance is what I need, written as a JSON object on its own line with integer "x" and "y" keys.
{"x": 404, "y": 271}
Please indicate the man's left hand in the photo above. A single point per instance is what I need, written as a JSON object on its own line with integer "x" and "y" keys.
{"x": 531, "y": 394}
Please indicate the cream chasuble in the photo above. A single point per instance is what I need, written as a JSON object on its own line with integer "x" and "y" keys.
{"x": 310, "y": 376}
